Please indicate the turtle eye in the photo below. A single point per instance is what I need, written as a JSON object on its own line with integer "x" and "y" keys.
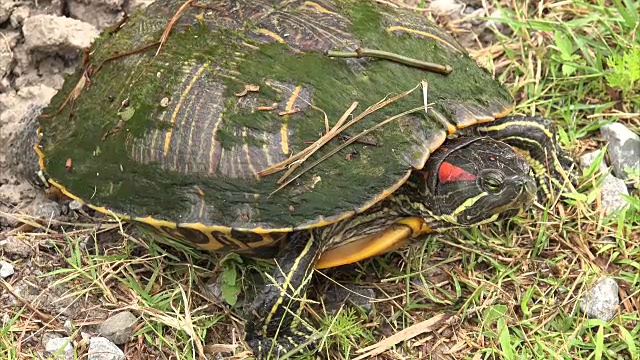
{"x": 492, "y": 182}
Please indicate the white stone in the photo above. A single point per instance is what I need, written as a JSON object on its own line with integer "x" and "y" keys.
{"x": 624, "y": 148}
{"x": 589, "y": 157}
{"x": 57, "y": 33}
{"x": 6, "y": 269}
{"x": 59, "y": 348}
{"x": 446, "y": 7}
{"x": 612, "y": 190}
{"x": 102, "y": 349}
{"x": 601, "y": 302}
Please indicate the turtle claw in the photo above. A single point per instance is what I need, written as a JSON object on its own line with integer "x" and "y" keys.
{"x": 287, "y": 343}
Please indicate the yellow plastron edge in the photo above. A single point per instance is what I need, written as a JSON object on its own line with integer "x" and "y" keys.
{"x": 388, "y": 240}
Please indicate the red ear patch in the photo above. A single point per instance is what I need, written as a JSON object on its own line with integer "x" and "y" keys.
{"x": 450, "y": 172}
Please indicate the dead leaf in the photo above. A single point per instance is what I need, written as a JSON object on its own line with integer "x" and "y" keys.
{"x": 247, "y": 89}
{"x": 289, "y": 112}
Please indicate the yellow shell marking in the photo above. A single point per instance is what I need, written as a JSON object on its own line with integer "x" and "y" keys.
{"x": 284, "y": 134}
{"x": 247, "y": 154}
{"x": 317, "y": 7}
{"x": 183, "y": 96}
{"x": 272, "y": 35}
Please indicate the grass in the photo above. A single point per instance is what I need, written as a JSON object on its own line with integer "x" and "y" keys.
{"x": 510, "y": 291}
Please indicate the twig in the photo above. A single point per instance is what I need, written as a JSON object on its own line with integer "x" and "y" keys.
{"x": 173, "y": 20}
{"x": 403, "y": 335}
{"x": 365, "y": 113}
{"x": 306, "y": 152}
{"x": 379, "y": 54}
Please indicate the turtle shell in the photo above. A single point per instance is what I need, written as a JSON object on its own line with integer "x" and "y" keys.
{"x": 176, "y": 130}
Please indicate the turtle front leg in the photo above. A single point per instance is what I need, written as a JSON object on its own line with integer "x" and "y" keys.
{"x": 535, "y": 138}
{"x": 274, "y": 326}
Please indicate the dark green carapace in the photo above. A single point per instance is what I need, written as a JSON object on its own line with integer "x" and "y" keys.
{"x": 169, "y": 132}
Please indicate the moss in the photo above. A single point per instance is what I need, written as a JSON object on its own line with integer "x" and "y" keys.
{"x": 118, "y": 179}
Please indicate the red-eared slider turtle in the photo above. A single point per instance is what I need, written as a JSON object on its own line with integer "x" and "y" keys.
{"x": 182, "y": 116}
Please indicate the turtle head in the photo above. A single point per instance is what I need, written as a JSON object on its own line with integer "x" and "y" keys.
{"x": 472, "y": 181}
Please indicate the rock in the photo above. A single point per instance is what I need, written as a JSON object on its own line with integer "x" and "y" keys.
{"x": 6, "y": 8}
{"x": 472, "y": 3}
{"x": 119, "y": 327}
{"x": 48, "y": 335}
{"x": 213, "y": 289}
{"x": 45, "y": 209}
{"x": 68, "y": 327}
{"x": 18, "y": 111}
{"x": 50, "y": 7}
{"x": 13, "y": 247}
{"x": 75, "y": 205}
{"x": 133, "y": 5}
{"x": 601, "y": 302}
{"x": 18, "y": 15}
{"x": 588, "y": 158}
{"x": 59, "y": 348}
{"x": 99, "y": 13}
{"x": 337, "y": 295}
{"x": 40, "y": 76}
{"x": 446, "y": 7}
{"x": 493, "y": 24}
{"x": 23, "y": 104}
{"x": 102, "y": 349}
{"x": 8, "y": 40}
{"x": 6, "y": 269}
{"x": 624, "y": 148}
{"x": 57, "y": 34}
{"x": 612, "y": 190}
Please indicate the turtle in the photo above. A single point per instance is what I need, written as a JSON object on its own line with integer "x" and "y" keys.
{"x": 317, "y": 133}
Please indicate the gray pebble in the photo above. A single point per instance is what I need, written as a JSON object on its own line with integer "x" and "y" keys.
{"x": 69, "y": 327}
{"x": 612, "y": 190}
{"x": 496, "y": 14}
{"x": 47, "y": 210}
{"x": 624, "y": 148}
{"x": 119, "y": 327}
{"x": 588, "y": 158}
{"x": 213, "y": 290}
{"x": 601, "y": 302}
{"x": 59, "y": 348}
{"x": 48, "y": 335}
{"x": 102, "y": 349}
{"x": 75, "y": 205}
{"x": 446, "y": 7}
{"x": 6, "y": 269}
{"x": 13, "y": 247}
{"x": 338, "y": 295}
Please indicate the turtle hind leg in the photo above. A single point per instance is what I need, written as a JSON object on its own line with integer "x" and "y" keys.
{"x": 274, "y": 326}
{"x": 535, "y": 137}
